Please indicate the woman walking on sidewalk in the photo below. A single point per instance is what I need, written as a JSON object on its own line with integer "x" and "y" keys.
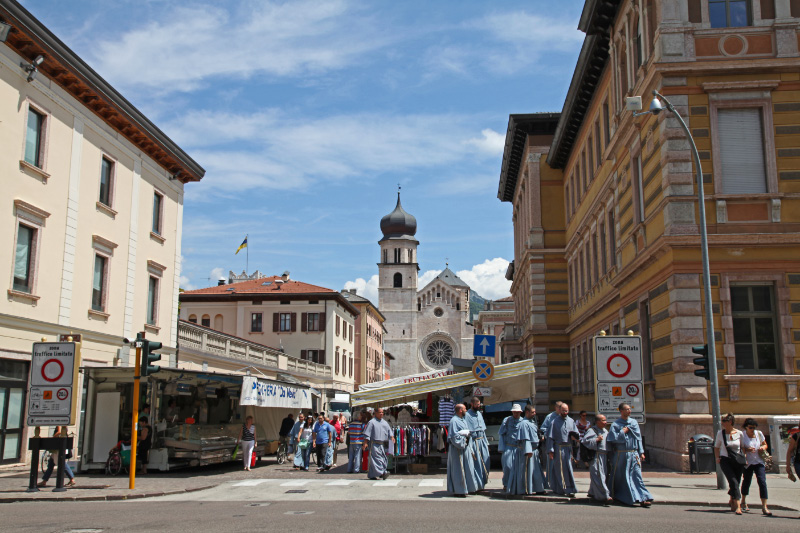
{"x": 304, "y": 437}
{"x": 60, "y": 431}
{"x": 728, "y": 451}
{"x": 753, "y": 442}
{"x": 247, "y": 440}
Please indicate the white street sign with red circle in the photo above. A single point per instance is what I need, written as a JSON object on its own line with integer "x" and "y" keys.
{"x": 53, "y": 370}
{"x": 632, "y": 389}
{"x": 618, "y": 375}
{"x": 618, "y": 365}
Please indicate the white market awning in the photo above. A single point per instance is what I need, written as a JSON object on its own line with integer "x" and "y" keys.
{"x": 512, "y": 381}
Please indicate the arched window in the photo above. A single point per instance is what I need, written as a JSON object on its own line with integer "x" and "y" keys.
{"x": 386, "y": 256}
{"x": 218, "y": 323}
{"x": 205, "y": 321}
{"x": 193, "y": 318}
{"x": 398, "y": 280}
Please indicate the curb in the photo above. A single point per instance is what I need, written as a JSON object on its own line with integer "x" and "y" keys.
{"x": 109, "y": 498}
{"x": 561, "y": 499}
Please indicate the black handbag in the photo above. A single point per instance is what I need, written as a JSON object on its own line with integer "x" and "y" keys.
{"x": 739, "y": 457}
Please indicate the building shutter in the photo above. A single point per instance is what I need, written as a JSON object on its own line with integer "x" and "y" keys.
{"x": 303, "y": 354}
{"x": 321, "y": 357}
{"x": 304, "y": 322}
{"x": 294, "y": 321}
{"x": 322, "y": 326}
{"x": 741, "y": 140}
{"x": 351, "y": 333}
{"x": 276, "y": 321}
{"x": 337, "y": 325}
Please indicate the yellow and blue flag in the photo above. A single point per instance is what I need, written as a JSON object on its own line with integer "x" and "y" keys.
{"x": 243, "y": 245}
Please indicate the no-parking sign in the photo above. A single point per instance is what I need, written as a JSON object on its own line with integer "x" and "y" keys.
{"x": 51, "y": 400}
{"x": 618, "y": 375}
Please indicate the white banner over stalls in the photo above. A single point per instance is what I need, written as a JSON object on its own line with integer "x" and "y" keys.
{"x": 268, "y": 394}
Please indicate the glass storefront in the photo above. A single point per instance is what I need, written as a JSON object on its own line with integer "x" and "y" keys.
{"x": 13, "y": 387}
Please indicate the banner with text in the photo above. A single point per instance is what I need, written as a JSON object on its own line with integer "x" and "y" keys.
{"x": 265, "y": 394}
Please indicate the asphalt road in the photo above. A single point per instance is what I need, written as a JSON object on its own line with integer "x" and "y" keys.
{"x": 477, "y": 514}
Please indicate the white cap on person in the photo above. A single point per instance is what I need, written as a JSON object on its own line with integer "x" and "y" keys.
{"x": 516, "y": 407}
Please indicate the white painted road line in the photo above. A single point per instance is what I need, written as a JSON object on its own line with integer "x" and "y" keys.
{"x": 431, "y": 483}
{"x": 296, "y": 483}
{"x": 385, "y": 484}
{"x": 342, "y": 482}
{"x": 250, "y": 483}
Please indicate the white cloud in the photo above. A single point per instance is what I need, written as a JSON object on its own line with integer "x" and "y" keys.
{"x": 367, "y": 289}
{"x": 194, "y": 43}
{"x": 490, "y": 142}
{"x": 488, "y": 279}
{"x": 185, "y": 284}
{"x": 546, "y": 32}
{"x": 427, "y": 277}
{"x": 265, "y": 146}
{"x": 217, "y": 273}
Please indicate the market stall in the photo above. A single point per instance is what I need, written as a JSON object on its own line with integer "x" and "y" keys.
{"x": 195, "y": 417}
{"x": 421, "y": 433}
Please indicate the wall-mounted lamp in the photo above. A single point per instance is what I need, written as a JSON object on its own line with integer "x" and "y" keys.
{"x": 5, "y": 29}
{"x": 32, "y": 67}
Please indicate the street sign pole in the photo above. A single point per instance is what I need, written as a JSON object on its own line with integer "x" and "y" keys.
{"x": 135, "y": 420}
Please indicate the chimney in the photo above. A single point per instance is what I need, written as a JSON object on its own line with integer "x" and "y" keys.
{"x": 285, "y": 276}
{"x": 221, "y": 281}
{"x": 353, "y": 291}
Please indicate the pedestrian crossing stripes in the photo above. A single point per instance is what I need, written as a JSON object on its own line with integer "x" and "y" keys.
{"x": 250, "y": 483}
{"x": 341, "y": 482}
{"x": 385, "y": 483}
{"x": 296, "y": 483}
{"x": 430, "y": 483}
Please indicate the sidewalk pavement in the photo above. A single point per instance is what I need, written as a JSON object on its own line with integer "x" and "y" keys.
{"x": 667, "y": 487}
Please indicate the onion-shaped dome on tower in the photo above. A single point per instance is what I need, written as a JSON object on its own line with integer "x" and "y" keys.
{"x": 399, "y": 224}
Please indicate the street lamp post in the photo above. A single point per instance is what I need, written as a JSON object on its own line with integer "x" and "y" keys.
{"x": 713, "y": 385}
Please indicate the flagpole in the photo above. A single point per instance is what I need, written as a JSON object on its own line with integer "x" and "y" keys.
{"x": 247, "y": 262}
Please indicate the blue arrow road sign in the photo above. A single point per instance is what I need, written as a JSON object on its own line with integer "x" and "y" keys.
{"x": 484, "y": 345}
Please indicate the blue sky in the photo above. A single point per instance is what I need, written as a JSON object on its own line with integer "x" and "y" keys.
{"x": 307, "y": 114}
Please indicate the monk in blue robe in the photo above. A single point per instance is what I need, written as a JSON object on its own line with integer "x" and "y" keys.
{"x": 596, "y": 439}
{"x": 477, "y": 428}
{"x": 460, "y": 456}
{"x": 377, "y": 436}
{"x": 516, "y": 442}
{"x": 546, "y": 423}
{"x": 626, "y": 480}
{"x": 561, "y": 434}
{"x": 534, "y": 478}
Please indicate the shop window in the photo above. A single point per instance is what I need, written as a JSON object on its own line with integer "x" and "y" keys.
{"x": 729, "y": 13}
{"x": 755, "y": 332}
{"x": 256, "y": 322}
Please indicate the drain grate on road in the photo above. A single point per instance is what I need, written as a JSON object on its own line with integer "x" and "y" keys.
{"x": 296, "y": 491}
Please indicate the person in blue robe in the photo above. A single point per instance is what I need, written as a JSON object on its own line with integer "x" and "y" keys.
{"x": 560, "y": 435}
{"x": 477, "y": 428}
{"x": 627, "y": 484}
{"x": 534, "y": 478}
{"x": 377, "y": 436}
{"x": 460, "y": 456}
{"x": 546, "y": 423}
{"x": 515, "y": 440}
{"x": 296, "y": 429}
{"x": 596, "y": 439}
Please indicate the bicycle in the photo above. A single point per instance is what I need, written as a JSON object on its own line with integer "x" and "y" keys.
{"x": 117, "y": 460}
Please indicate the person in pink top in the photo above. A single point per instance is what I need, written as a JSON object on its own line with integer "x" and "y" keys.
{"x": 337, "y": 438}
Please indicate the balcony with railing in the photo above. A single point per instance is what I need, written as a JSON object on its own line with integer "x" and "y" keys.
{"x": 198, "y": 340}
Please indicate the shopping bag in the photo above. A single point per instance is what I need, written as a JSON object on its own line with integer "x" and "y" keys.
{"x": 253, "y": 459}
{"x": 235, "y": 452}
{"x": 303, "y": 443}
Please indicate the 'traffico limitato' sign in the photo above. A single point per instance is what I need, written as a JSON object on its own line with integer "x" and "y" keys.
{"x": 266, "y": 394}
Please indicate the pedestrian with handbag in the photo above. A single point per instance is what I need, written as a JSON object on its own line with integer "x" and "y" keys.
{"x": 247, "y": 441}
{"x": 60, "y": 431}
{"x": 755, "y": 447}
{"x": 304, "y": 436}
{"x": 731, "y": 459}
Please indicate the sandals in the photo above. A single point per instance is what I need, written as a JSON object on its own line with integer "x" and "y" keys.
{"x": 745, "y": 509}
{"x": 765, "y": 512}
{"x": 71, "y": 483}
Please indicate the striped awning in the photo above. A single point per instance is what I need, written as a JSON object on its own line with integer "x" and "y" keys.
{"x": 511, "y": 381}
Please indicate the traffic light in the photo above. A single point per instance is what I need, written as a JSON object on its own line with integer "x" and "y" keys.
{"x": 148, "y": 357}
{"x": 701, "y": 361}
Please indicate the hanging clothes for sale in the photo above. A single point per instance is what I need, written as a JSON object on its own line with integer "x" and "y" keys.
{"x": 446, "y": 410}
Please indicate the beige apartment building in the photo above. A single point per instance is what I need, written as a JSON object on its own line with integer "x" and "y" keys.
{"x": 90, "y": 216}
{"x": 369, "y": 354}
{"x": 304, "y": 321}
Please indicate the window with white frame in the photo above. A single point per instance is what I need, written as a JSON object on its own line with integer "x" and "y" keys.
{"x": 158, "y": 212}
{"x": 106, "y": 181}
{"x": 35, "y": 137}
{"x": 153, "y": 284}
{"x": 24, "y": 258}
{"x": 99, "y": 280}
{"x": 742, "y": 150}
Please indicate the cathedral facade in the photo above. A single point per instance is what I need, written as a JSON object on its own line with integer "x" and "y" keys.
{"x": 426, "y": 327}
